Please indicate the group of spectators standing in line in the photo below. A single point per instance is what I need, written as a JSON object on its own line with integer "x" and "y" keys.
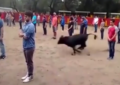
{"x": 28, "y": 30}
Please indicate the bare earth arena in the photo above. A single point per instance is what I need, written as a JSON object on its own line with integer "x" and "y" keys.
{"x": 54, "y": 64}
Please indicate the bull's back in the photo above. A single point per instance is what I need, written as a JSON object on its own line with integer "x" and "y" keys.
{"x": 78, "y": 39}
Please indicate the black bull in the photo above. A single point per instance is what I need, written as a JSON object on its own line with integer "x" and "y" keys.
{"x": 73, "y": 41}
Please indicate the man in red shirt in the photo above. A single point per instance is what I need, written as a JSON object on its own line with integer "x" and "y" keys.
{"x": 112, "y": 32}
{"x": 54, "y": 25}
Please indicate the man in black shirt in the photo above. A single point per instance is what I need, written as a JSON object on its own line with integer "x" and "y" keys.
{"x": 71, "y": 27}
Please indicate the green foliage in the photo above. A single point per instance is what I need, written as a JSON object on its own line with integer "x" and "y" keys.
{"x": 55, "y": 5}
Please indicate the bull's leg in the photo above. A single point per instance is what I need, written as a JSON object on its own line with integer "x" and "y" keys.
{"x": 78, "y": 51}
{"x": 74, "y": 52}
{"x": 82, "y": 46}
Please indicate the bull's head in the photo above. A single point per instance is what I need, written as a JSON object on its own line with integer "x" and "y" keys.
{"x": 63, "y": 39}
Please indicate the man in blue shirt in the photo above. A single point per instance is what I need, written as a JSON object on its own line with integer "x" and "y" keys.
{"x": 62, "y": 22}
{"x": 28, "y": 35}
{"x": 34, "y": 20}
{"x": 84, "y": 24}
{"x": 20, "y": 21}
{"x": 1, "y": 39}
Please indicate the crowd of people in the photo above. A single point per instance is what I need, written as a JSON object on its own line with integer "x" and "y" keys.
{"x": 28, "y": 30}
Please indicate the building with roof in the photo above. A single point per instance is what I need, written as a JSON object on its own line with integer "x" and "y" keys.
{"x": 6, "y": 9}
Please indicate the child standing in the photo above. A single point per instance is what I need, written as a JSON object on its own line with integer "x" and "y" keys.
{"x": 112, "y": 32}
{"x": 102, "y": 29}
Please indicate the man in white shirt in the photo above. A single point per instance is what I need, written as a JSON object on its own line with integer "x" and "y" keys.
{"x": 95, "y": 23}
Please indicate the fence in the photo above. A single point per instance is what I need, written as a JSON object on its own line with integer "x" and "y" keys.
{"x": 90, "y": 20}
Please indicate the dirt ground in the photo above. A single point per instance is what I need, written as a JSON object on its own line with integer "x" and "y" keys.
{"x": 54, "y": 64}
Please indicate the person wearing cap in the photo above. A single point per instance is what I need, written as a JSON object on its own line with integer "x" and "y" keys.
{"x": 54, "y": 25}
{"x": 28, "y": 35}
{"x": 84, "y": 25}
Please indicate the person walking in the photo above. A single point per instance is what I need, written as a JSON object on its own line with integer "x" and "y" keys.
{"x": 2, "y": 47}
{"x": 28, "y": 35}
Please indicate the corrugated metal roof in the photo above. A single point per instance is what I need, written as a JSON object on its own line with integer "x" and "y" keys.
{"x": 5, "y": 9}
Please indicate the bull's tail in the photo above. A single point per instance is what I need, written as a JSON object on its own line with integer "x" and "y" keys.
{"x": 95, "y": 36}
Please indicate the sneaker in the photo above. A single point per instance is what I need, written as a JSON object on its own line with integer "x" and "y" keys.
{"x": 2, "y": 57}
{"x": 27, "y": 79}
{"x": 110, "y": 58}
{"x": 23, "y": 78}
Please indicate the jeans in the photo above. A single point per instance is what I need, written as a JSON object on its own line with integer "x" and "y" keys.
{"x": 50, "y": 24}
{"x": 62, "y": 27}
{"x": 70, "y": 32}
{"x": 20, "y": 23}
{"x": 38, "y": 22}
{"x": 28, "y": 53}
{"x": 95, "y": 26}
{"x": 55, "y": 31}
{"x": 82, "y": 30}
{"x": 13, "y": 21}
{"x": 119, "y": 36}
{"x": 111, "y": 49}
{"x": 35, "y": 26}
{"x": 45, "y": 31}
{"x": 102, "y": 33}
{"x": 2, "y": 48}
{"x": 75, "y": 25}
{"x": 7, "y": 22}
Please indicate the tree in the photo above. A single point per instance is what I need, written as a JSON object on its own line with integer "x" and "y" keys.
{"x": 72, "y": 5}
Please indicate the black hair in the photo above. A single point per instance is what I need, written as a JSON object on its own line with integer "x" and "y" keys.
{"x": 71, "y": 18}
{"x": 29, "y": 14}
{"x": 113, "y": 20}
